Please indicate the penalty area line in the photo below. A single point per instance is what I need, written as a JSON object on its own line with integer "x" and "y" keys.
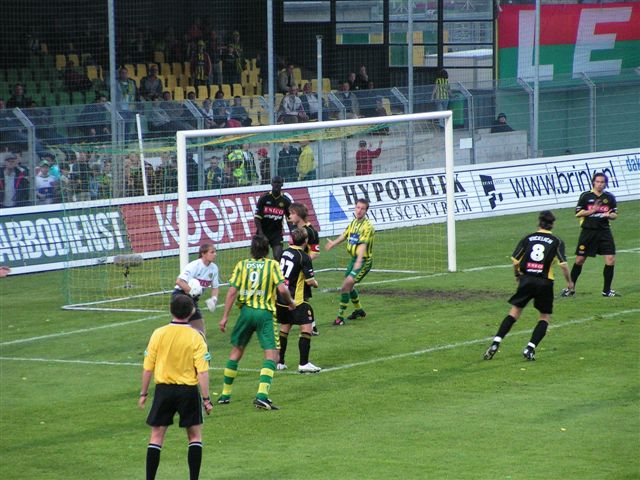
{"x": 82, "y": 330}
{"x": 437, "y": 348}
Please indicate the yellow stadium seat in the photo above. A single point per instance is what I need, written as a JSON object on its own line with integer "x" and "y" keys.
{"x": 72, "y": 57}
{"x": 158, "y": 56}
{"x": 172, "y": 82}
{"x": 61, "y": 62}
{"x": 176, "y": 68}
{"x": 202, "y": 92}
{"x": 178, "y": 94}
{"x": 141, "y": 70}
{"x": 236, "y": 89}
{"x": 165, "y": 69}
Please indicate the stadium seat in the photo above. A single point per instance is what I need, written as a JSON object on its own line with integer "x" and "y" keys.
{"x": 48, "y": 62}
{"x": 255, "y": 117}
{"x": 25, "y": 74}
{"x": 165, "y": 69}
{"x": 44, "y": 48}
{"x": 131, "y": 68}
{"x": 178, "y": 94}
{"x": 184, "y": 80}
{"x": 297, "y": 75}
{"x": 141, "y": 70}
{"x": 86, "y": 59}
{"x": 236, "y": 89}
{"x": 387, "y": 105}
{"x": 171, "y": 82}
{"x": 176, "y": 68}
{"x": 49, "y": 99}
{"x": 72, "y": 57}
{"x": 186, "y": 69}
{"x": 77, "y": 98}
{"x": 189, "y": 89}
{"x": 158, "y": 56}
{"x": 31, "y": 88}
{"x": 45, "y": 86}
{"x": 226, "y": 89}
{"x": 202, "y": 92}
{"x": 61, "y": 62}
{"x": 93, "y": 73}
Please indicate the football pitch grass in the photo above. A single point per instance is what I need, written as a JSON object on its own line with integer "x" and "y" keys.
{"x": 404, "y": 393}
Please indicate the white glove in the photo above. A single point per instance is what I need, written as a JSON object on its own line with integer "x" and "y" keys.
{"x": 211, "y": 304}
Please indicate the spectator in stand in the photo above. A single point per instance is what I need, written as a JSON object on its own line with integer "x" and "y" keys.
{"x": 160, "y": 120}
{"x": 94, "y": 120}
{"x": 351, "y": 80}
{"x": 291, "y": 109}
{"x": 151, "y": 84}
{"x": 125, "y": 96}
{"x": 350, "y": 101}
{"x": 214, "y": 49}
{"x": 74, "y": 80}
{"x": 46, "y": 185}
{"x": 207, "y": 113}
{"x": 201, "y": 67}
{"x": 365, "y": 156}
{"x": 310, "y": 102}
{"x": 65, "y": 186}
{"x": 235, "y": 58}
{"x": 215, "y": 174}
{"x": 220, "y": 110}
{"x": 54, "y": 169}
{"x": 265, "y": 165}
{"x": 81, "y": 177}
{"x": 287, "y": 162}
{"x": 501, "y": 125}
{"x": 286, "y": 80}
{"x": 251, "y": 165}
{"x": 14, "y": 183}
{"x": 367, "y": 101}
{"x": 362, "y": 79}
{"x": 239, "y": 113}
{"x": 306, "y": 163}
{"x": 441, "y": 93}
{"x": 18, "y": 99}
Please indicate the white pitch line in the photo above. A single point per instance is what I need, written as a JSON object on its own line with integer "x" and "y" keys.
{"x": 415, "y": 353}
{"x": 82, "y": 330}
{"x": 326, "y": 290}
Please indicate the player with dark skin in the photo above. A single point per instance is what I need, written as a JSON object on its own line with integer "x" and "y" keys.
{"x": 272, "y": 208}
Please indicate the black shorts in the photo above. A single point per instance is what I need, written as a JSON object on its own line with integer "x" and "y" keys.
{"x": 169, "y": 399}
{"x": 595, "y": 242}
{"x": 302, "y": 315}
{"x": 538, "y": 289}
{"x": 197, "y": 315}
{"x": 275, "y": 239}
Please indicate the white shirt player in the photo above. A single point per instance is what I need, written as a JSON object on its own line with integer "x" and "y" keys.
{"x": 207, "y": 275}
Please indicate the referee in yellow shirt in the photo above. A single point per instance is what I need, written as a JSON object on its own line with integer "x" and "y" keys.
{"x": 178, "y": 359}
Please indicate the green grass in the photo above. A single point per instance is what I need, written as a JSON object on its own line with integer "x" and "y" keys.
{"x": 405, "y": 392}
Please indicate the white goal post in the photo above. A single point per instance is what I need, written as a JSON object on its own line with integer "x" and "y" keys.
{"x": 183, "y": 136}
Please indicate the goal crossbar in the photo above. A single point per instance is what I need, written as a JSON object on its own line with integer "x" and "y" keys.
{"x": 183, "y": 135}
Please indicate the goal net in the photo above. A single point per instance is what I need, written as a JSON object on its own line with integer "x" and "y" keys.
{"x": 209, "y": 183}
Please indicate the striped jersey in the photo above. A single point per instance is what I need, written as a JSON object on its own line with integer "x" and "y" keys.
{"x": 359, "y": 232}
{"x": 257, "y": 282}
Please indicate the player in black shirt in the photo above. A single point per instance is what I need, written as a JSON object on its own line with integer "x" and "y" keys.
{"x": 533, "y": 261}
{"x": 272, "y": 208}
{"x": 298, "y": 275}
{"x": 595, "y": 208}
{"x": 298, "y": 219}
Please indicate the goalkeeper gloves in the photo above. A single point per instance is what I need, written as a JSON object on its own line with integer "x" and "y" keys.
{"x": 211, "y": 304}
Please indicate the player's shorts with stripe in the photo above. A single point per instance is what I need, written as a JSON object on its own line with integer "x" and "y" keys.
{"x": 302, "y": 315}
{"x": 260, "y": 321}
{"x": 538, "y": 289}
{"x": 169, "y": 399}
{"x": 595, "y": 242}
{"x": 360, "y": 273}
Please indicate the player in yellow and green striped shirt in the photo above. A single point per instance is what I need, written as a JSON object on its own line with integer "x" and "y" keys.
{"x": 359, "y": 235}
{"x": 253, "y": 286}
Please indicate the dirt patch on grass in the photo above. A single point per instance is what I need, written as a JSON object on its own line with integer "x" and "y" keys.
{"x": 431, "y": 294}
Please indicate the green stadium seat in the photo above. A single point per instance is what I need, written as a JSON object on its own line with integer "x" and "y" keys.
{"x": 13, "y": 76}
{"x": 25, "y": 74}
{"x": 45, "y": 86}
{"x": 48, "y": 62}
{"x": 31, "y": 88}
{"x": 77, "y": 98}
{"x": 50, "y": 99}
